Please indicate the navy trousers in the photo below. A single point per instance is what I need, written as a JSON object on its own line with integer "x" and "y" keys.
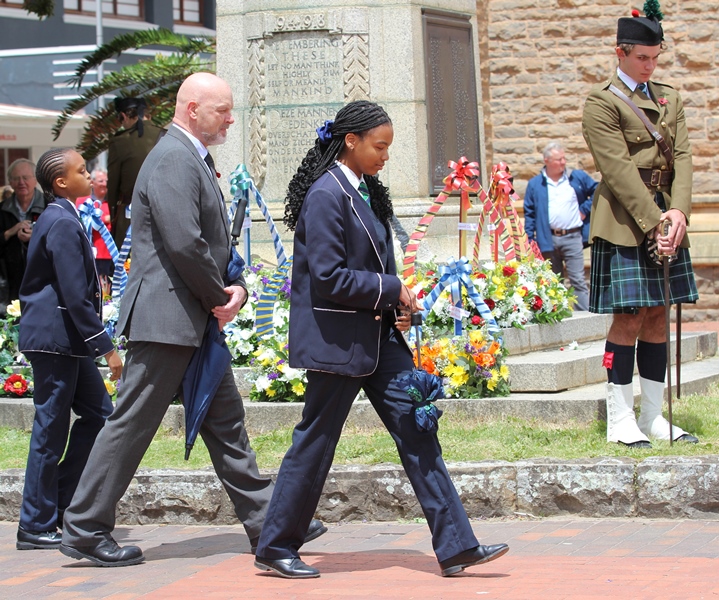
{"x": 62, "y": 383}
{"x": 304, "y": 469}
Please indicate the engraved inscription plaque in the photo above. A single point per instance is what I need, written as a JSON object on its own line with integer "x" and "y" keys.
{"x": 303, "y": 88}
{"x": 452, "y": 117}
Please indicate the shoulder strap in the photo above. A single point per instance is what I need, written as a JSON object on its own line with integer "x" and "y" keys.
{"x": 661, "y": 142}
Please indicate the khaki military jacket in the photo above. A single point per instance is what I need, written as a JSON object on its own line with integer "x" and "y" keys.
{"x": 624, "y": 211}
{"x": 125, "y": 156}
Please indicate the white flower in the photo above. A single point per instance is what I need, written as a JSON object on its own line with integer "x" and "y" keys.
{"x": 13, "y": 309}
{"x": 263, "y": 382}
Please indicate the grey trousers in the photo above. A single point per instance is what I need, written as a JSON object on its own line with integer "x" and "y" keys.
{"x": 152, "y": 375}
{"x": 569, "y": 252}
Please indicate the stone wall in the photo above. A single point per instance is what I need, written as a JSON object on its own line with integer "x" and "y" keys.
{"x": 539, "y": 61}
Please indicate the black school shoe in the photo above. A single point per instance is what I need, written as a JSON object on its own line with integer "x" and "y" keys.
{"x": 475, "y": 556}
{"x": 37, "y": 540}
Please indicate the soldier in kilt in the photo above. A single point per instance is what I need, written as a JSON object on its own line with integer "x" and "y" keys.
{"x": 641, "y": 187}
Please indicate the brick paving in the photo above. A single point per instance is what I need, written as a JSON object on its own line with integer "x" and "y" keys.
{"x": 549, "y": 558}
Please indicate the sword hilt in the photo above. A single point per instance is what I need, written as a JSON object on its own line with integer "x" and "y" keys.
{"x": 666, "y": 226}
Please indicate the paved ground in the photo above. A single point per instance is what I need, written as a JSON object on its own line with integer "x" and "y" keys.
{"x": 549, "y": 559}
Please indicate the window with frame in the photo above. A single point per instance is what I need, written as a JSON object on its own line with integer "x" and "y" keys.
{"x": 122, "y": 9}
{"x": 11, "y": 3}
{"x": 187, "y": 12}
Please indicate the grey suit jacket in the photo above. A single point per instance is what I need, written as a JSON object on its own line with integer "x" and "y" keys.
{"x": 180, "y": 247}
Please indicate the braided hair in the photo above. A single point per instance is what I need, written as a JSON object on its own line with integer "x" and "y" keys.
{"x": 52, "y": 164}
{"x": 358, "y": 118}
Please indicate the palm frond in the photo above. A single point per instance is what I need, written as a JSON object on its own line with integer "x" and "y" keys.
{"x": 140, "y": 39}
{"x": 141, "y": 79}
{"x": 41, "y": 8}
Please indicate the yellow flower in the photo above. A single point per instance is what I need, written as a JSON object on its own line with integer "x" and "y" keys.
{"x": 110, "y": 387}
{"x": 504, "y": 372}
{"x": 494, "y": 380}
{"x": 551, "y": 293}
{"x": 476, "y": 338}
{"x": 270, "y": 392}
{"x": 13, "y": 309}
{"x": 298, "y": 388}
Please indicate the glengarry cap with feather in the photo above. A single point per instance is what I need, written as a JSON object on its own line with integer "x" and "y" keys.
{"x": 646, "y": 30}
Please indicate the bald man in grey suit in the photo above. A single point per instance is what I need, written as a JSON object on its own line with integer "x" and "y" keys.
{"x": 180, "y": 252}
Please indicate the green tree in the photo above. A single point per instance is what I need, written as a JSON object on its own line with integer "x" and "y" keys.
{"x": 157, "y": 80}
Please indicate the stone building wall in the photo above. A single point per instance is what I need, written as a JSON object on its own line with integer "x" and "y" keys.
{"x": 539, "y": 61}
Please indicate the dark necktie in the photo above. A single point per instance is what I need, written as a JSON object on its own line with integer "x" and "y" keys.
{"x": 364, "y": 192}
{"x": 213, "y": 171}
{"x": 642, "y": 87}
{"x": 210, "y": 163}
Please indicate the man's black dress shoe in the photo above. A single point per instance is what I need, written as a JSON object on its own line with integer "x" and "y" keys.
{"x": 639, "y": 444}
{"x": 106, "y": 554}
{"x": 315, "y": 530}
{"x": 37, "y": 540}
{"x": 475, "y": 556}
{"x": 687, "y": 438}
{"x": 290, "y": 568}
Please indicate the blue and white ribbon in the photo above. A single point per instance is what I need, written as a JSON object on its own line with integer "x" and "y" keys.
{"x": 265, "y": 308}
{"x": 455, "y": 274}
{"x": 91, "y": 217}
{"x": 119, "y": 277}
{"x": 240, "y": 184}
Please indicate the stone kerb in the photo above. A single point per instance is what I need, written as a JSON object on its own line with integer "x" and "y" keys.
{"x": 657, "y": 487}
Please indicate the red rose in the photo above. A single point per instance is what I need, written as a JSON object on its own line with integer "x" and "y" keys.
{"x": 490, "y": 303}
{"x": 508, "y": 271}
{"x": 476, "y": 320}
{"x": 15, "y": 384}
{"x": 421, "y": 294}
{"x": 481, "y": 276}
{"x": 430, "y": 273}
{"x": 536, "y": 303}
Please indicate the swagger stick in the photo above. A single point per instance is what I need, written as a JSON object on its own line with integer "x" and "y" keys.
{"x": 666, "y": 226}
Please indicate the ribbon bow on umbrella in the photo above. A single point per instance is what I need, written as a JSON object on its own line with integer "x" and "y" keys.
{"x": 423, "y": 387}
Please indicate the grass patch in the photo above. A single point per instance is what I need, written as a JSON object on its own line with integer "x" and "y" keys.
{"x": 462, "y": 439}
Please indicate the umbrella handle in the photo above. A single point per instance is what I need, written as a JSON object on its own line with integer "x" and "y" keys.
{"x": 416, "y": 322}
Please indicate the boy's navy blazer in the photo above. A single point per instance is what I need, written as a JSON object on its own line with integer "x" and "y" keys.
{"x": 60, "y": 296}
{"x": 340, "y": 285}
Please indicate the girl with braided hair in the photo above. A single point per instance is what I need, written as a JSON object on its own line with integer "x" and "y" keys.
{"x": 347, "y": 311}
{"x": 61, "y": 334}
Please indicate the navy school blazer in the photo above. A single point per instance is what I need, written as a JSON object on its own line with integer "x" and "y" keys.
{"x": 340, "y": 286}
{"x": 60, "y": 296}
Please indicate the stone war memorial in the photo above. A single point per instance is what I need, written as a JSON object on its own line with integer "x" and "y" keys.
{"x": 292, "y": 68}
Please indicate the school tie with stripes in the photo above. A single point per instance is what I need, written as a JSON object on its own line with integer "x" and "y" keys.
{"x": 364, "y": 192}
{"x": 642, "y": 87}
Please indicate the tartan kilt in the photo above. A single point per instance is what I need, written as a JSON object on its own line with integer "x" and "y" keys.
{"x": 623, "y": 280}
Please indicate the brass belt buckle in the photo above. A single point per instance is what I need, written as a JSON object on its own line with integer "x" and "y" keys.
{"x": 656, "y": 178}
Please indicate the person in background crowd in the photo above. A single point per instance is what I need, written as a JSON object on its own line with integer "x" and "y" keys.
{"x": 127, "y": 151}
{"x": 103, "y": 261}
{"x": 557, "y": 205}
{"x": 17, "y": 215}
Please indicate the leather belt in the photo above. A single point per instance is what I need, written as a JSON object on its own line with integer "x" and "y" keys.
{"x": 561, "y": 232}
{"x": 654, "y": 178}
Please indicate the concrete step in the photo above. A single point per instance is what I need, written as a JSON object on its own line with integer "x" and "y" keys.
{"x": 582, "y": 405}
{"x": 581, "y": 327}
{"x": 565, "y": 368}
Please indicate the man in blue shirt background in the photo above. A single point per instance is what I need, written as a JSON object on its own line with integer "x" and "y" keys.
{"x": 557, "y": 205}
